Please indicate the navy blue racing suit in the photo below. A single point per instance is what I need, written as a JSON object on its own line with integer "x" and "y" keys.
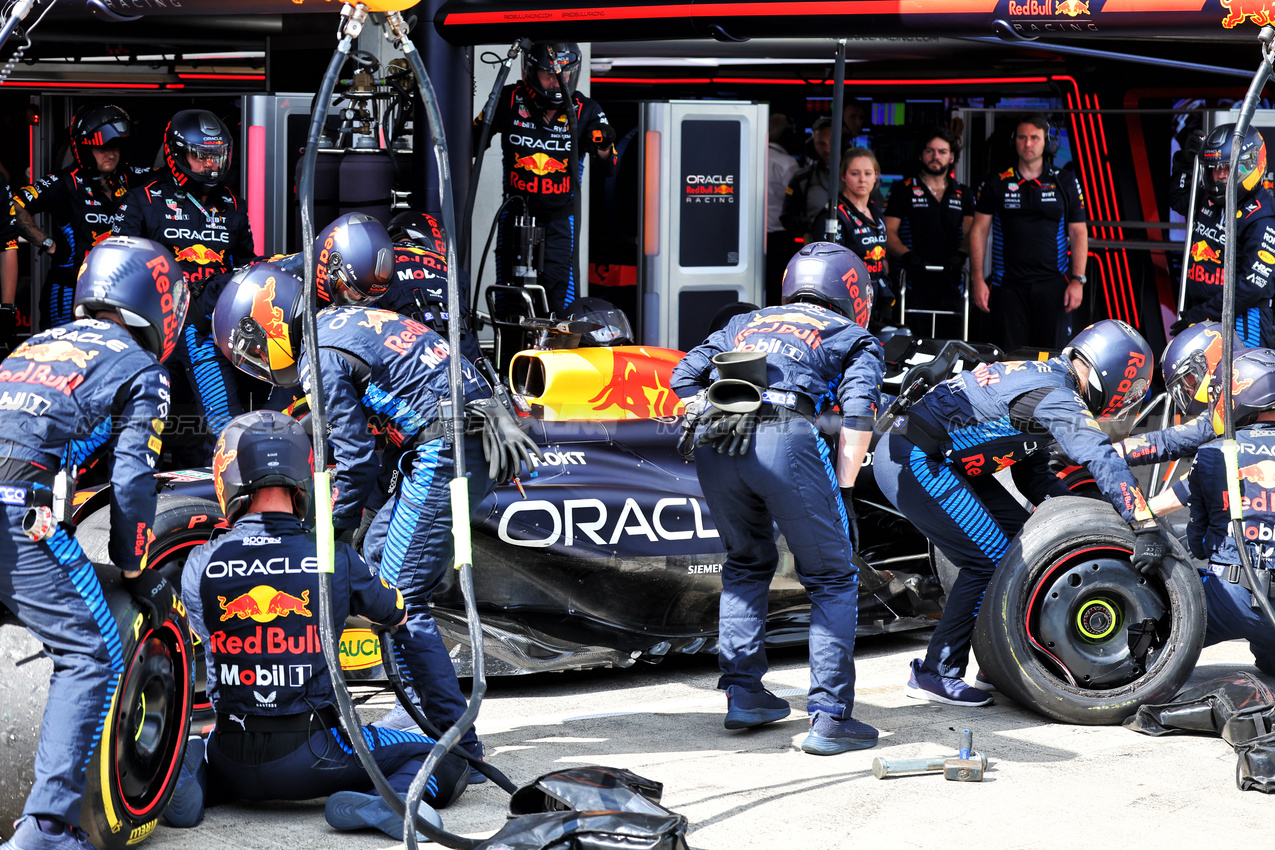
{"x": 936, "y": 465}
{"x": 253, "y": 598}
{"x": 209, "y": 236}
{"x": 64, "y": 394}
{"x": 1171, "y": 443}
{"x": 1232, "y": 612}
{"x": 814, "y": 357}
{"x": 420, "y": 278}
{"x": 387, "y": 372}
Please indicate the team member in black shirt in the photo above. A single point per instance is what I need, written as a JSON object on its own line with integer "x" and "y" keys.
{"x": 1031, "y": 211}
{"x": 927, "y": 223}
{"x": 863, "y": 224}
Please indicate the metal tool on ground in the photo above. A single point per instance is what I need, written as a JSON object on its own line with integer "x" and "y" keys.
{"x": 974, "y": 764}
{"x": 968, "y": 766}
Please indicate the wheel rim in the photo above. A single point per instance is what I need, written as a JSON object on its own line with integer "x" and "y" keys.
{"x": 154, "y": 704}
{"x": 1080, "y": 614}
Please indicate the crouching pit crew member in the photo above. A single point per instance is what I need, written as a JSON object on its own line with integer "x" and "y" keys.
{"x": 277, "y": 735}
{"x": 936, "y": 466}
{"x": 1233, "y": 613}
{"x": 69, "y": 391}
{"x": 384, "y": 370}
{"x": 770, "y": 463}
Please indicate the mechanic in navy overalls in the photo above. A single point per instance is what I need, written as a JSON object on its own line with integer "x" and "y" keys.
{"x": 66, "y": 393}
{"x": 816, "y": 353}
{"x": 936, "y": 465}
{"x": 205, "y": 225}
{"x": 253, "y": 598}
{"x": 80, "y": 201}
{"x": 385, "y": 372}
{"x": 1254, "y": 229}
{"x": 1232, "y": 612}
{"x": 536, "y": 140}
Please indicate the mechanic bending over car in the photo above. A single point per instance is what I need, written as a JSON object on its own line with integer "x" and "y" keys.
{"x": 936, "y": 465}
{"x": 1232, "y": 611}
{"x": 277, "y": 735}
{"x": 1188, "y": 366}
{"x": 68, "y": 391}
{"x": 772, "y": 463}
{"x": 385, "y": 369}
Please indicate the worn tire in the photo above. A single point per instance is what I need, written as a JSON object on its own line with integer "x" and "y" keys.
{"x": 1052, "y": 631}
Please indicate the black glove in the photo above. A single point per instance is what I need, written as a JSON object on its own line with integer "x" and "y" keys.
{"x": 364, "y": 526}
{"x": 956, "y": 262}
{"x": 912, "y": 263}
{"x": 153, "y": 593}
{"x": 847, "y": 498}
{"x": 8, "y": 326}
{"x": 1192, "y": 142}
{"x": 604, "y": 136}
{"x": 505, "y": 446}
{"x": 1189, "y": 317}
{"x": 729, "y": 433}
{"x": 1150, "y": 545}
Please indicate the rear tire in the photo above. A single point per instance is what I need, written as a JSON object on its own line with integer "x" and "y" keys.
{"x": 1053, "y": 629}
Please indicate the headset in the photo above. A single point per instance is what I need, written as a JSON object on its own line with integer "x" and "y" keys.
{"x": 1051, "y": 133}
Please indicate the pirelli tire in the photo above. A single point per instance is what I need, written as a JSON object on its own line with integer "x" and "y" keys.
{"x": 134, "y": 770}
{"x": 1060, "y": 629}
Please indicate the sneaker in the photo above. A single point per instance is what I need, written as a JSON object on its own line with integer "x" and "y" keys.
{"x": 746, "y": 709}
{"x": 347, "y": 810}
{"x": 983, "y": 683}
{"x": 27, "y": 835}
{"x": 948, "y": 690}
{"x": 186, "y": 808}
{"x": 829, "y": 736}
{"x": 476, "y": 750}
{"x": 398, "y": 719}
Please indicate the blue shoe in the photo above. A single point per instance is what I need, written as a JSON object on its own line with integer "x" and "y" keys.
{"x": 949, "y": 690}
{"x": 983, "y": 683}
{"x": 186, "y": 808}
{"x": 829, "y": 736}
{"x": 476, "y": 750}
{"x": 746, "y": 709}
{"x": 347, "y": 810}
{"x": 28, "y": 836}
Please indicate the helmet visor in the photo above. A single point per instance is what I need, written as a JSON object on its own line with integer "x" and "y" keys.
{"x": 209, "y": 161}
{"x": 250, "y": 350}
{"x": 1187, "y": 387}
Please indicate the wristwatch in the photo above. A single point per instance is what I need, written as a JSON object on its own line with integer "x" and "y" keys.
{"x": 46, "y": 244}
{"x": 1078, "y": 278}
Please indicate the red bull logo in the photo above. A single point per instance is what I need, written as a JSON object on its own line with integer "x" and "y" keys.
{"x": 636, "y": 387}
{"x": 270, "y": 317}
{"x": 221, "y": 461}
{"x": 59, "y": 351}
{"x": 1202, "y": 251}
{"x": 791, "y": 318}
{"x": 875, "y": 253}
{"x": 201, "y": 254}
{"x": 376, "y": 319}
{"x": 1262, "y": 474}
{"x": 540, "y": 164}
{"x": 1072, "y": 8}
{"x": 1257, "y": 11}
{"x": 263, "y": 603}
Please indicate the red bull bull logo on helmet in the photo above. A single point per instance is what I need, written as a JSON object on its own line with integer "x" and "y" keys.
{"x": 263, "y": 603}
{"x": 270, "y": 317}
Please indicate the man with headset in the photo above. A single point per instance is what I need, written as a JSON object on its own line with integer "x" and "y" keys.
{"x": 1032, "y": 211}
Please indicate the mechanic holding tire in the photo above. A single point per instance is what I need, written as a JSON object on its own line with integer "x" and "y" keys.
{"x": 767, "y": 461}
{"x": 277, "y": 735}
{"x": 67, "y": 392}
{"x": 1232, "y": 611}
{"x": 936, "y": 466}
{"x": 383, "y": 368}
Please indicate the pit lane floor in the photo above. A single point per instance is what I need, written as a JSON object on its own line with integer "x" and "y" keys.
{"x": 1048, "y": 785}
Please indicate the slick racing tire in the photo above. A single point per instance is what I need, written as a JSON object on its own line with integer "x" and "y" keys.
{"x": 1069, "y": 629}
{"x": 133, "y": 772}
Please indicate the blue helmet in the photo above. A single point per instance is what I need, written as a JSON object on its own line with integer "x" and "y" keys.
{"x": 1217, "y": 153}
{"x": 1120, "y": 363}
{"x": 140, "y": 281}
{"x": 1252, "y": 388}
{"x": 263, "y": 448}
{"x": 198, "y": 133}
{"x": 354, "y": 260}
{"x": 257, "y": 323}
{"x": 420, "y": 228}
{"x": 831, "y": 276}
{"x": 1189, "y": 362}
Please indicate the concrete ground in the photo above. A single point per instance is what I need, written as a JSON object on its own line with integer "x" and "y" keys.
{"x": 1048, "y": 785}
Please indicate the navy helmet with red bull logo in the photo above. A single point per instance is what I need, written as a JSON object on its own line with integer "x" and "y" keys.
{"x": 419, "y": 228}
{"x": 1188, "y": 364}
{"x": 831, "y": 276}
{"x": 1216, "y": 161}
{"x": 1120, "y": 363}
{"x": 550, "y": 57}
{"x": 201, "y": 134}
{"x": 260, "y": 449}
{"x": 140, "y": 281}
{"x": 257, "y": 323}
{"x": 354, "y": 260}
{"x": 1252, "y": 388}
{"x": 95, "y": 127}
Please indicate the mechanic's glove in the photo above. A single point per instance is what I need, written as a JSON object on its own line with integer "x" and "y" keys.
{"x": 8, "y": 326}
{"x": 505, "y": 446}
{"x": 696, "y": 407}
{"x": 912, "y": 263}
{"x": 956, "y": 262}
{"x": 365, "y": 525}
{"x": 1150, "y": 545}
{"x": 729, "y": 433}
{"x": 847, "y": 498}
{"x": 1189, "y": 317}
{"x": 1192, "y": 142}
{"x": 604, "y": 136}
{"x": 153, "y": 593}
